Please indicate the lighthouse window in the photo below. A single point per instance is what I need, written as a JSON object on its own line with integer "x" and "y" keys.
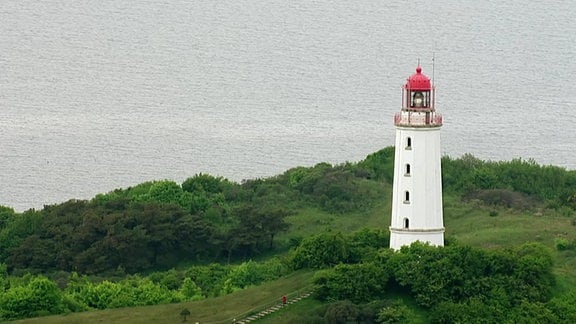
{"x": 408, "y": 143}
{"x": 407, "y": 197}
{"x": 406, "y": 223}
{"x": 407, "y": 173}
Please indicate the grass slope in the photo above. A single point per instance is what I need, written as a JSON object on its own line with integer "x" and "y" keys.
{"x": 213, "y": 310}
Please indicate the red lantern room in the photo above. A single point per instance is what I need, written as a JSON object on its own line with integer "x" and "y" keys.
{"x": 418, "y": 103}
{"x": 418, "y": 92}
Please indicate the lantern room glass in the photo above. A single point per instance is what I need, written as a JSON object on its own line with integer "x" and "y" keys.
{"x": 420, "y": 99}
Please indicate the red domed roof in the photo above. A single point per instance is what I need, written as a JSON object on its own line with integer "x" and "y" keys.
{"x": 418, "y": 81}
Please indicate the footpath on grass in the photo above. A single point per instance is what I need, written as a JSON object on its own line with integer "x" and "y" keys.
{"x": 277, "y": 305}
{"x": 266, "y": 309}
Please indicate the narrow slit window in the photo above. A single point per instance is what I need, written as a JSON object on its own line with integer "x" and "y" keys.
{"x": 407, "y": 169}
{"x": 408, "y": 143}
{"x": 407, "y": 196}
{"x": 406, "y": 223}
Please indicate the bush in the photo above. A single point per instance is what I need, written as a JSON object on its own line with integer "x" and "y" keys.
{"x": 40, "y": 297}
{"x": 564, "y": 307}
{"x": 369, "y": 282}
{"x": 455, "y": 273}
{"x": 342, "y": 312}
{"x": 562, "y": 244}
{"x": 190, "y": 290}
{"x": 503, "y": 197}
{"x": 209, "y": 278}
{"x": 320, "y": 251}
{"x": 395, "y": 312}
{"x": 133, "y": 291}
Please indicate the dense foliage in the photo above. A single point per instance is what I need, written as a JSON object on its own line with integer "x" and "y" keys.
{"x": 453, "y": 284}
{"x": 330, "y": 249}
{"x": 141, "y": 228}
{"x": 31, "y": 296}
{"x": 158, "y": 224}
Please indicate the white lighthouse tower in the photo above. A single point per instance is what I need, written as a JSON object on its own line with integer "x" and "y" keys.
{"x": 417, "y": 189}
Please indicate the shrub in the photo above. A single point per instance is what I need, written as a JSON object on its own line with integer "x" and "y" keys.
{"x": 320, "y": 251}
{"x": 395, "y": 312}
{"x": 503, "y": 197}
{"x": 342, "y": 312}
{"x": 334, "y": 284}
{"x": 40, "y": 297}
{"x": 562, "y": 244}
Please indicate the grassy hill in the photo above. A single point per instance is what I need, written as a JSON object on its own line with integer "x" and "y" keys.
{"x": 487, "y": 205}
{"x": 470, "y": 223}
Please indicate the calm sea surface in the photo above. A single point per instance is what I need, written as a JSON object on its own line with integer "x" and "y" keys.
{"x": 97, "y": 95}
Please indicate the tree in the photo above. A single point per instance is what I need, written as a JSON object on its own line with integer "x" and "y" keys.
{"x": 6, "y": 214}
{"x": 4, "y": 282}
{"x": 254, "y": 229}
{"x": 380, "y": 164}
{"x": 272, "y": 222}
{"x": 358, "y": 283}
{"x": 166, "y": 192}
{"x": 34, "y": 252}
{"x": 485, "y": 178}
{"x": 205, "y": 183}
{"x": 457, "y": 174}
{"x": 205, "y": 191}
{"x": 320, "y": 251}
{"x": 17, "y": 229}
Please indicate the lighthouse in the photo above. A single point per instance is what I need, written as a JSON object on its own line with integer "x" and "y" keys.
{"x": 417, "y": 189}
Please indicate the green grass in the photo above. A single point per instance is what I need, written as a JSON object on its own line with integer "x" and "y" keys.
{"x": 311, "y": 221}
{"x": 472, "y": 224}
{"x": 290, "y": 314}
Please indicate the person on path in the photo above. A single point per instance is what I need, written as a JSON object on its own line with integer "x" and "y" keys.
{"x": 284, "y": 300}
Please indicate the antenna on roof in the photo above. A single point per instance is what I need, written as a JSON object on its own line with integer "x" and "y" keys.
{"x": 433, "y": 59}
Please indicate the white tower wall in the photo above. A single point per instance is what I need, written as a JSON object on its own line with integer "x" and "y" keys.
{"x": 417, "y": 171}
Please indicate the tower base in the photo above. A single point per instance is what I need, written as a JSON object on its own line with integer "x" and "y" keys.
{"x": 400, "y": 237}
